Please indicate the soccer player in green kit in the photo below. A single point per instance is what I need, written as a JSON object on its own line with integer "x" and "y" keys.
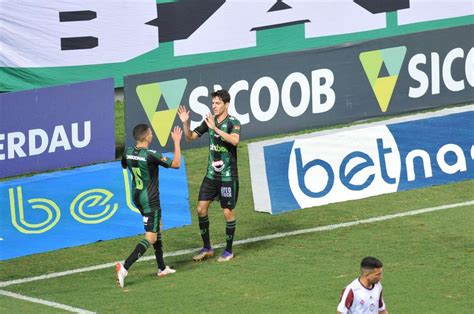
{"x": 221, "y": 180}
{"x": 143, "y": 163}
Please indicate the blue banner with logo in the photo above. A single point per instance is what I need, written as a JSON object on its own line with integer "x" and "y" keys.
{"x": 363, "y": 161}
{"x": 56, "y": 127}
{"x": 69, "y": 208}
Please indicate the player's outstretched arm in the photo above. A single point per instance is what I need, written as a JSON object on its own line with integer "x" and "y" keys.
{"x": 176, "y": 136}
{"x": 184, "y": 117}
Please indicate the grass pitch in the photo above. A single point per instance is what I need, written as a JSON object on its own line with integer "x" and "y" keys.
{"x": 428, "y": 259}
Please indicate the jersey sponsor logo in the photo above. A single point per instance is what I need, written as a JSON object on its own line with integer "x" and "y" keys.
{"x": 218, "y": 148}
{"x": 160, "y": 101}
{"x": 226, "y": 191}
{"x": 387, "y": 159}
{"x": 218, "y": 165}
{"x": 382, "y": 68}
{"x": 133, "y": 157}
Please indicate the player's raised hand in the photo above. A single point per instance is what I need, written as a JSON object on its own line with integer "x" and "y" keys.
{"x": 183, "y": 114}
{"x": 210, "y": 121}
{"x": 177, "y": 134}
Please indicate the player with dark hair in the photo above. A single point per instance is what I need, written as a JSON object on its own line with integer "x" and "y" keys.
{"x": 364, "y": 294}
{"x": 143, "y": 164}
{"x": 221, "y": 180}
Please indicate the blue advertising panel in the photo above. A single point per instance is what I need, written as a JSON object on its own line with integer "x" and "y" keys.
{"x": 56, "y": 127}
{"x": 363, "y": 161}
{"x": 69, "y": 208}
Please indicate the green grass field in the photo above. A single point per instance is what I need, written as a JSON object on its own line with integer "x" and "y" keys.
{"x": 428, "y": 259}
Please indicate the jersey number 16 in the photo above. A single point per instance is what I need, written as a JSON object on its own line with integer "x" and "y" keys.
{"x": 137, "y": 175}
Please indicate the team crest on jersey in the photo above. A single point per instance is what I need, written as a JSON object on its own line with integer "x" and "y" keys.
{"x": 218, "y": 165}
{"x": 362, "y": 302}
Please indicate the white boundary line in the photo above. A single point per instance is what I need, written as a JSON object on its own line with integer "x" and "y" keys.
{"x": 245, "y": 241}
{"x": 44, "y": 302}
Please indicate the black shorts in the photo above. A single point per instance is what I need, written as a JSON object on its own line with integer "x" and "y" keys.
{"x": 151, "y": 221}
{"x": 225, "y": 191}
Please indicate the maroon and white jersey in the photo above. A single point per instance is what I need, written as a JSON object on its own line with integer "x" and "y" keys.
{"x": 355, "y": 298}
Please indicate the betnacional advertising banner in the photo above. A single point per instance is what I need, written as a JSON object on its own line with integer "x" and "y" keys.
{"x": 69, "y": 208}
{"x": 56, "y": 127}
{"x": 283, "y": 93}
{"x": 363, "y": 161}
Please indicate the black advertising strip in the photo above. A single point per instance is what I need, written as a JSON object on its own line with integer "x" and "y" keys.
{"x": 172, "y": 14}
{"x": 74, "y": 16}
{"x": 377, "y": 6}
{"x": 75, "y": 43}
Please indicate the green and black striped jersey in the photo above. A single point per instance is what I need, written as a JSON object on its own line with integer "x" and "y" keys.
{"x": 222, "y": 162}
{"x": 143, "y": 164}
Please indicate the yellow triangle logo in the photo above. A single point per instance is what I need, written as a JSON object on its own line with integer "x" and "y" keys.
{"x": 162, "y": 123}
{"x": 150, "y": 96}
{"x": 383, "y": 90}
{"x": 383, "y": 83}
